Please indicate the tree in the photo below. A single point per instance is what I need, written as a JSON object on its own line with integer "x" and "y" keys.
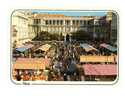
{"x": 81, "y": 35}
{"x": 44, "y": 35}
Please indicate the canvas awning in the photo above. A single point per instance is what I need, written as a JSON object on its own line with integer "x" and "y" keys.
{"x": 24, "y": 48}
{"x": 109, "y": 47}
{"x": 100, "y": 69}
{"x": 87, "y": 47}
{"x": 31, "y": 63}
{"x": 29, "y": 45}
{"x": 45, "y": 47}
{"x": 99, "y": 59}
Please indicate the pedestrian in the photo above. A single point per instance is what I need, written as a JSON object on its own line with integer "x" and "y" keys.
{"x": 65, "y": 77}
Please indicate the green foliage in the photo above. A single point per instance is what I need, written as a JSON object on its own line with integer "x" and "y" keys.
{"x": 81, "y": 35}
{"x": 44, "y": 35}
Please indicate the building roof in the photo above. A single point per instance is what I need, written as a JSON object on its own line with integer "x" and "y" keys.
{"x": 58, "y": 16}
{"x": 47, "y": 15}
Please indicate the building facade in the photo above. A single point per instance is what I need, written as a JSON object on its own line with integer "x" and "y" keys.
{"x": 26, "y": 25}
{"x": 19, "y": 28}
{"x": 102, "y": 28}
{"x": 99, "y": 27}
{"x": 59, "y": 23}
{"x": 114, "y": 26}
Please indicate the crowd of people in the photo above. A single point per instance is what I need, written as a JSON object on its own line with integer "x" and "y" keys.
{"x": 65, "y": 62}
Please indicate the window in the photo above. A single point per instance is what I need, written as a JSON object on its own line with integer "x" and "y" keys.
{"x": 46, "y": 22}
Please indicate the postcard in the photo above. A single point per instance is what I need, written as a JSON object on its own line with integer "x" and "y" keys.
{"x": 64, "y": 46}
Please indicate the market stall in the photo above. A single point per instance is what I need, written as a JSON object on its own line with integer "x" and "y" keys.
{"x": 100, "y": 72}
{"x": 98, "y": 59}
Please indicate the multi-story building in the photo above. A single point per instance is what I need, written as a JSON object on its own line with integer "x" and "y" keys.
{"x": 59, "y": 23}
{"x": 101, "y": 28}
{"x": 20, "y": 29}
{"x": 96, "y": 26}
{"x": 112, "y": 19}
{"x": 26, "y": 25}
{"x": 114, "y": 27}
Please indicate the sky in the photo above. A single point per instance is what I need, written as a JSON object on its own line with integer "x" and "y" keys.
{"x": 72, "y": 12}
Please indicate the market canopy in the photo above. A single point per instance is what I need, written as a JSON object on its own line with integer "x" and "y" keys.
{"x": 24, "y": 48}
{"x": 87, "y": 47}
{"x": 31, "y": 63}
{"x": 99, "y": 69}
{"x": 45, "y": 47}
{"x": 99, "y": 59}
{"x": 29, "y": 45}
{"x": 109, "y": 47}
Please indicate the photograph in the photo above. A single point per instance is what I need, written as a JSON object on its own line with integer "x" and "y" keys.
{"x": 64, "y": 46}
